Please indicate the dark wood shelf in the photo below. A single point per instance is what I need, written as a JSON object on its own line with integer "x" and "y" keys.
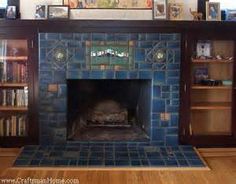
{"x": 13, "y": 85}
{"x": 212, "y": 61}
{"x": 212, "y": 87}
{"x": 12, "y": 108}
{"x": 211, "y": 106}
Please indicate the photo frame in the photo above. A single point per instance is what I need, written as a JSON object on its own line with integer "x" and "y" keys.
{"x": 159, "y": 9}
{"x": 11, "y": 12}
{"x": 58, "y": 12}
{"x": 204, "y": 49}
{"x": 175, "y": 11}
{"x": 213, "y": 12}
{"x": 40, "y": 12}
{"x": 107, "y": 4}
{"x": 231, "y": 15}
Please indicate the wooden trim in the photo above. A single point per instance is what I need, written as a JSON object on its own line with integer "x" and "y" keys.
{"x": 211, "y": 106}
{"x": 212, "y": 61}
{"x": 9, "y": 152}
{"x": 211, "y": 87}
{"x": 217, "y": 152}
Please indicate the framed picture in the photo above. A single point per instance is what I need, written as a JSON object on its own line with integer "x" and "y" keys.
{"x": 11, "y": 12}
{"x": 175, "y": 11}
{"x": 58, "y": 12}
{"x": 109, "y": 4}
{"x": 204, "y": 49}
{"x": 40, "y": 12}
{"x": 231, "y": 15}
{"x": 213, "y": 12}
{"x": 159, "y": 9}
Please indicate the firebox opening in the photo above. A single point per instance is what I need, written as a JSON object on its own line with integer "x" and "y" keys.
{"x": 109, "y": 110}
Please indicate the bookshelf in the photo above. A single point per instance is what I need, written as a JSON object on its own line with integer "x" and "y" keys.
{"x": 211, "y": 98}
{"x": 209, "y": 91}
{"x": 14, "y": 88}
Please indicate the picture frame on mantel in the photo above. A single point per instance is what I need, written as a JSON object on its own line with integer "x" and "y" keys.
{"x": 105, "y": 4}
{"x": 159, "y": 9}
{"x": 58, "y": 12}
{"x": 213, "y": 12}
{"x": 175, "y": 11}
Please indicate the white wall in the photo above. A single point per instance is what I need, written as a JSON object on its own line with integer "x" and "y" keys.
{"x": 27, "y": 8}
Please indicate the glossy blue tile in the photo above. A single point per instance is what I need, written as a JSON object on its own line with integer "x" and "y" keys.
{"x": 47, "y": 162}
{"x": 121, "y": 75}
{"x": 95, "y": 162}
{"x": 196, "y": 163}
{"x": 153, "y": 36}
{"x": 122, "y": 163}
{"x": 98, "y": 36}
{"x": 158, "y": 105}
{"x": 172, "y": 140}
{"x": 171, "y": 163}
{"x": 109, "y": 163}
{"x": 145, "y": 75}
{"x": 157, "y": 163}
{"x": 140, "y": 55}
{"x": 96, "y": 75}
{"x": 159, "y": 77}
{"x": 61, "y": 162}
{"x": 136, "y": 163}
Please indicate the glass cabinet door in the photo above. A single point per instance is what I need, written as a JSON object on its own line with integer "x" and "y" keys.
{"x": 211, "y": 88}
{"x": 13, "y": 88}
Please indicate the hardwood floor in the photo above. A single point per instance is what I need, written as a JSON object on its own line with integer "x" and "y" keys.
{"x": 223, "y": 172}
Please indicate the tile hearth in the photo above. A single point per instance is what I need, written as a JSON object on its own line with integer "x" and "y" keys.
{"x": 109, "y": 155}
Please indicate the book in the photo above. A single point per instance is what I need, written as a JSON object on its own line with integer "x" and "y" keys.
{"x": 13, "y": 125}
{"x": 200, "y": 73}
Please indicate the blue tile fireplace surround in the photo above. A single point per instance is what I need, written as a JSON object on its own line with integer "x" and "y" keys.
{"x": 152, "y": 59}
{"x": 164, "y": 76}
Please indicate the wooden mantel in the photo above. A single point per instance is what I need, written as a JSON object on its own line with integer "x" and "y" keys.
{"x": 118, "y": 26}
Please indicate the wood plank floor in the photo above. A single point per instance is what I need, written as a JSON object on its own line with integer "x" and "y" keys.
{"x": 223, "y": 171}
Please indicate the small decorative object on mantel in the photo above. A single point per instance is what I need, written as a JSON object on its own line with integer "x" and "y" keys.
{"x": 213, "y": 12}
{"x": 11, "y": 12}
{"x": 159, "y": 9}
{"x": 58, "y": 12}
{"x": 175, "y": 11}
{"x": 40, "y": 12}
{"x": 231, "y": 15}
{"x": 196, "y": 15}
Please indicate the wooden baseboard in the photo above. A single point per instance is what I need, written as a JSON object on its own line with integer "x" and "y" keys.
{"x": 9, "y": 152}
{"x": 217, "y": 152}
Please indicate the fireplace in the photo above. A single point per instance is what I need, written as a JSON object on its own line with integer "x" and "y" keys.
{"x": 108, "y": 110}
{"x": 130, "y": 82}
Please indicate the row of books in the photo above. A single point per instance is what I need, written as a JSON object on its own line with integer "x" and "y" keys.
{"x": 13, "y": 72}
{"x": 14, "y": 97}
{"x": 13, "y": 126}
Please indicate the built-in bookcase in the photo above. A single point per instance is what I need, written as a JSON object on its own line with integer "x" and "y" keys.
{"x": 18, "y": 63}
{"x": 209, "y": 91}
{"x": 13, "y": 88}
